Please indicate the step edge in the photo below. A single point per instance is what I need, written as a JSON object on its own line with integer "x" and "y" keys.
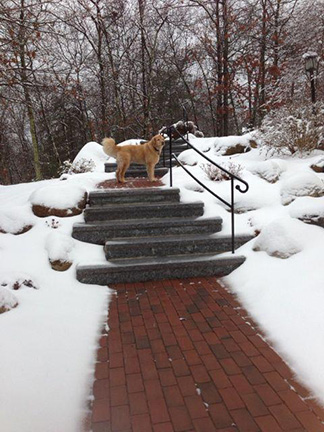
{"x": 135, "y": 205}
{"x": 177, "y": 238}
{"x": 176, "y": 260}
{"x": 155, "y": 222}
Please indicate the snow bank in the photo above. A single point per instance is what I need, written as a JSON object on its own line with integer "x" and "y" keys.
{"x": 302, "y": 183}
{"x": 92, "y": 151}
{"x": 280, "y": 238}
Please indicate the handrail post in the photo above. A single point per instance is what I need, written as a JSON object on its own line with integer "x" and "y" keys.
{"x": 232, "y": 214}
{"x": 170, "y": 148}
{"x": 163, "y": 153}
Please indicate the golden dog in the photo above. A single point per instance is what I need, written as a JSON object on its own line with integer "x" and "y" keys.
{"x": 146, "y": 154}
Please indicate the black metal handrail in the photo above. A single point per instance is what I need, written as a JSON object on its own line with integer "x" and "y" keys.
{"x": 232, "y": 176}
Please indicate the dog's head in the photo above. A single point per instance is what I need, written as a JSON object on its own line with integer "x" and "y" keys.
{"x": 158, "y": 141}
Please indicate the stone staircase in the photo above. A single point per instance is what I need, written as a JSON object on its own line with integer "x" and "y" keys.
{"x": 161, "y": 168}
{"x": 148, "y": 234}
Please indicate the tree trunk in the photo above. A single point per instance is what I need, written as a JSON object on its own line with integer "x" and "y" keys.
{"x": 28, "y": 101}
{"x": 219, "y": 67}
{"x": 225, "y": 69}
{"x": 263, "y": 49}
{"x": 145, "y": 102}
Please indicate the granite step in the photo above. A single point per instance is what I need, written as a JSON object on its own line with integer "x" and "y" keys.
{"x": 100, "y": 232}
{"x": 177, "y": 245}
{"x": 143, "y": 210}
{"x": 142, "y": 195}
{"x": 140, "y": 270}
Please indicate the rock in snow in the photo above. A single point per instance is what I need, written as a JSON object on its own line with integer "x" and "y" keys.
{"x": 279, "y": 238}
{"x": 300, "y": 184}
{"x": 8, "y": 300}
{"x": 59, "y": 247}
{"x": 309, "y": 210}
{"x": 268, "y": 170}
{"x": 60, "y": 199}
{"x": 15, "y": 220}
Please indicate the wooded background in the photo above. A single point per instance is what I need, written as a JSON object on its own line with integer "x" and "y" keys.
{"x": 79, "y": 70}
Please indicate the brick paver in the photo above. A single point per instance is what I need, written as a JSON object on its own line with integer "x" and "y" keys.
{"x": 131, "y": 183}
{"x": 182, "y": 355}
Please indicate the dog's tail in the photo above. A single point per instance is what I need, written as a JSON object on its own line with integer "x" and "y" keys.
{"x": 109, "y": 147}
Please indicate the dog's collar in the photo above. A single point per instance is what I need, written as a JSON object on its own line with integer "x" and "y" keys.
{"x": 157, "y": 150}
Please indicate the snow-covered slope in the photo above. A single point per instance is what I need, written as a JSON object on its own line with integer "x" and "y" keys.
{"x": 48, "y": 341}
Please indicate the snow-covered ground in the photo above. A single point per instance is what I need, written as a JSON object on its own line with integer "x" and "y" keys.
{"x": 49, "y": 338}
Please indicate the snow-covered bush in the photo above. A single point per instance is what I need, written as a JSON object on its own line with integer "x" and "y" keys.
{"x": 80, "y": 166}
{"x": 14, "y": 281}
{"x": 293, "y": 129}
{"x": 216, "y": 174}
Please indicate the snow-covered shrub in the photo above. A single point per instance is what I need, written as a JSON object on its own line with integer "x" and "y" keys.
{"x": 15, "y": 281}
{"x": 216, "y": 174}
{"x": 183, "y": 128}
{"x": 80, "y": 166}
{"x": 7, "y": 300}
{"x": 300, "y": 184}
{"x": 293, "y": 128}
{"x": 53, "y": 223}
{"x": 280, "y": 238}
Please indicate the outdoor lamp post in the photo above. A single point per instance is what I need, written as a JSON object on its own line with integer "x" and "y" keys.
{"x": 310, "y": 67}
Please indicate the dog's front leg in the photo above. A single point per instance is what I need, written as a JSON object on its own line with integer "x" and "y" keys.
{"x": 150, "y": 172}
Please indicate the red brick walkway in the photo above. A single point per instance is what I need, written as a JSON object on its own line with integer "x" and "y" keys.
{"x": 131, "y": 183}
{"x": 183, "y": 356}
